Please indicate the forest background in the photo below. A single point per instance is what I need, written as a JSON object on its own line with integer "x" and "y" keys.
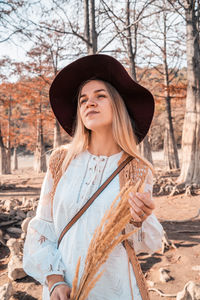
{"x": 158, "y": 42}
{"x": 149, "y": 37}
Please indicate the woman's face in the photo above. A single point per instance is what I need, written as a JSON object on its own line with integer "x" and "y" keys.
{"x": 95, "y": 106}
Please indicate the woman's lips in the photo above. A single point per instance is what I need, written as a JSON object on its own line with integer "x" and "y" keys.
{"x": 91, "y": 113}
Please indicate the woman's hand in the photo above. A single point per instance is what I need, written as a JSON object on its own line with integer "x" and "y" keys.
{"x": 141, "y": 206}
{"x": 61, "y": 292}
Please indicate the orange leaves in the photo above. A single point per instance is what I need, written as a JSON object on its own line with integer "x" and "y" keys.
{"x": 21, "y": 104}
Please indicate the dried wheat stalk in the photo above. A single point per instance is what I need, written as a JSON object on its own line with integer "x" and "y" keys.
{"x": 106, "y": 236}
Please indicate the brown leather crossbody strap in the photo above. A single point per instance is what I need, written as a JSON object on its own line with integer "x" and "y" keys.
{"x": 94, "y": 196}
{"x": 141, "y": 281}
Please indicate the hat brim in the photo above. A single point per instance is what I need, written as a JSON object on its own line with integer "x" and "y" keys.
{"x": 64, "y": 88}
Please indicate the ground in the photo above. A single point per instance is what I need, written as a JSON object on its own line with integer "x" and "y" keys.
{"x": 182, "y": 262}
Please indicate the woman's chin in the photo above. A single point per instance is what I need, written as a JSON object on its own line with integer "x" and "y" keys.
{"x": 97, "y": 127}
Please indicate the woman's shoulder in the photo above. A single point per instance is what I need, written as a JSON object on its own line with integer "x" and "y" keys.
{"x": 144, "y": 164}
{"x": 138, "y": 168}
{"x": 137, "y": 163}
{"x": 57, "y": 156}
{"x": 59, "y": 150}
{"x": 144, "y": 170}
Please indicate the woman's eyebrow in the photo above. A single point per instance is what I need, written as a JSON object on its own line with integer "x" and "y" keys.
{"x": 96, "y": 91}
{"x": 100, "y": 90}
{"x": 83, "y": 95}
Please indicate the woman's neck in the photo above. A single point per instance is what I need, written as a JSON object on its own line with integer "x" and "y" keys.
{"x": 103, "y": 144}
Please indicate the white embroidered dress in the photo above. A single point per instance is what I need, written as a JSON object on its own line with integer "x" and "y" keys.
{"x": 82, "y": 178}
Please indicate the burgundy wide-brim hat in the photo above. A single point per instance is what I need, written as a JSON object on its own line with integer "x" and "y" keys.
{"x": 64, "y": 91}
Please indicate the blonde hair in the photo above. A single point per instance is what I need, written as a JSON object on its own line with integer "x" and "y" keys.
{"x": 122, "y": 129}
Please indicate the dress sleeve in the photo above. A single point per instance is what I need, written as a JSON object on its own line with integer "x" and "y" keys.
{"x": 41, "y": 256}
{"x": 149, "y": 237}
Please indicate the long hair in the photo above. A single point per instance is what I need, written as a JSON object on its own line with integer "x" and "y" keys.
{"x": 122, "y": 129}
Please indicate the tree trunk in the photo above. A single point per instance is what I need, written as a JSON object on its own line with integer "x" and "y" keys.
{"x": 2, "y": 156}
{"x": 8, "y": 161}
{"x": 170, "y": 147}
{"x": 87, "y": 24}
{"x": 190, "y": 170}
{"x": 93, "y": 33}
{"x": 131, "y": 54}
{"x": 2, "y": 160}
{"x": 5, "y": 157}
{"x": 8, "y": 143}
{"x": 145, "y": 149}
{"x": 40, "y": 156}
{"x": 57, "y": 135}
{"x": 15, "y": 159}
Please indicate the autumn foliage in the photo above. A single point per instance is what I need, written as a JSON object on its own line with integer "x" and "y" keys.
{"x": 22, "y": 104}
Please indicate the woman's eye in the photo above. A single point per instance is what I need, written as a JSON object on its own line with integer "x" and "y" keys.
{"x": 82, "y": 101}
{"x": 101, "y": 96}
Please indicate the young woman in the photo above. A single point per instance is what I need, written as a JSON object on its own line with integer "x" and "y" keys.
{"x": 108, "y": 114}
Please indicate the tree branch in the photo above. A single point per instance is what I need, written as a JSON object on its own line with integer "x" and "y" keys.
{"x": 111, "y": 11}
{"x": 8, "y": 37}
{"x": 177, "y": 9}
{"x": 125, "y": 28}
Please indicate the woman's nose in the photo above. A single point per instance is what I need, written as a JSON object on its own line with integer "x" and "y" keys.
{"x": 91, "y": 102}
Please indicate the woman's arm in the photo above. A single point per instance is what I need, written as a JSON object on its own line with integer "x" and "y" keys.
{"x": 42, "y": 260}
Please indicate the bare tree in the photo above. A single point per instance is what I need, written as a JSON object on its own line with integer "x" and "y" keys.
{"x": 166, "y": 51}
{"x": 76, "y": 23}
{"x": 190, "y": 169}
{"x": 170, "y": 146}
{"x": 145, "y": 147}
{"x": 9, "y": 19}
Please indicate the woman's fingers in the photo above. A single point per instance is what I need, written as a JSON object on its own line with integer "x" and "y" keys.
{"x": 135, "y": 216}
{"x": 141, "y": 205}
{"x": 146, "y": 199}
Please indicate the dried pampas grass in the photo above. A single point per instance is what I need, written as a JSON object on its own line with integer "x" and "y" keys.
{"x": 106, "y": 236}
